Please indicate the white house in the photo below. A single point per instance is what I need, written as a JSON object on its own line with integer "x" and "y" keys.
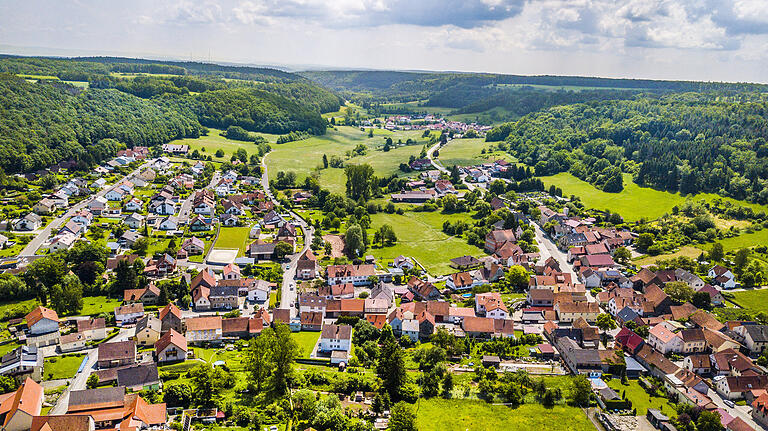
{"x": 116, "y": 195}
{"x": 168, "y": 223}
{"x": 134, "y": 220}
{"x": 722, "y": 277}
{"x": 97, "y": 204}
{"x": 62, "y": 242}
{"x": 164, "y": 208}
{"x": 204, "y": 329}
{"x": 335, "y": 338}
{"x": 259, "y": 291}
{"x": 664, "y": 340}
{"x": 134, "y": 204}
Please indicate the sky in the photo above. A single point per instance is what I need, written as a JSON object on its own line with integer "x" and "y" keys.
{"x": 710, "y": 40}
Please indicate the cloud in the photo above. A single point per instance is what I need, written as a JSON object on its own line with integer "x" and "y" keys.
{"x": 376, "y": 13}
{"x": 185, "y": 13}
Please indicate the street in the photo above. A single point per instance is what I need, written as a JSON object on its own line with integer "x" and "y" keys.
{"x": 43, "y": 234}
{"x": 78, "y": 383}
{"x": 547, "y": 249}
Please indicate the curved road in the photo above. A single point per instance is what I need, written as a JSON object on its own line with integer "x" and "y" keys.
{"x": 288, "y": 293}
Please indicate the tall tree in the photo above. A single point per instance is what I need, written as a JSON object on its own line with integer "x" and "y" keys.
{"x": 359, "y": 181}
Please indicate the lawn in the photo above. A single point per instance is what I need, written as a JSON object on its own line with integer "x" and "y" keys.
{"x": 306, "y": 341}
{"x": 61, "y": 367}
{"x": 304, "y": 156}
{"x": 460, "y": 415}
{"x": 233, "y": 237}
{"x": 744, "y": 240}
{"x": 634, "y": 202}
{"x": 93, "y": 305}
{"x": 754, "y": 300}
{"x": 640, "y": 399}
{"x": 420, "y": 236}
{"x": 467, "y": 152}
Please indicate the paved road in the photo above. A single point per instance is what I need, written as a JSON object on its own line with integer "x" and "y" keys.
{"x": 437, "y": 165}
{"x": 78, "y": 383}
{"x": 44, "y": 233}
{"x": 288, "y": 293}
{"x": 548, "y": 248}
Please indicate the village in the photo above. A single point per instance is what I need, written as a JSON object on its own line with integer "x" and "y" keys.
{"x": 576, "y": 307}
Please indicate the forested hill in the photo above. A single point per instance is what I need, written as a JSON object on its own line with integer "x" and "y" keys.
{"x": 679, "y": 142}
{"x": 57, "y": 109}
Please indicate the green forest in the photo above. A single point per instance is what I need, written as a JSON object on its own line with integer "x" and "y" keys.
{"x": 45, "y": 119}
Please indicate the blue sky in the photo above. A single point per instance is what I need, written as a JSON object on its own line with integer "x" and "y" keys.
{"x": 724, "y": 40}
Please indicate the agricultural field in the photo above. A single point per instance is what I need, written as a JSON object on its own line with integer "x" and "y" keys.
{"x": 459, "y": 415}
{"x": 233, "y": 237}
{"x": 634, "y": 202}
{"x": 420, "y": 236}
{"x": 304, "y": 156}
{"x": 467, "y": 152}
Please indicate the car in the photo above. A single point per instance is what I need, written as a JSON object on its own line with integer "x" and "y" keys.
{"x": 729, "y": 403}
{"x": 287, "y": 266}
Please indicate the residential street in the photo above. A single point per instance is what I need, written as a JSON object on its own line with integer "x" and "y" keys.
{"x": 45, "y": 233}
{"x": 80, "y": 379}
{"x": 548, "y": 248}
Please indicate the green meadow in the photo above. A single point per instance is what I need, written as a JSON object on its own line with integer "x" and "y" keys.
{"x": 468, "y": 152}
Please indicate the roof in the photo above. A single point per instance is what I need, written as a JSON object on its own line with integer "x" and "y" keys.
{"x": 137, "y": 307}
{"x": 337, "y": 332}
{"x": 706, "y": 320}
{"x": 138, "y": 375}
{"x": 170, "y": 309}
{"x": 478, "y": 324}
{"x": 350, "y": 271}
{"x": 203, "y": 323}
{"x": 171, "y": 337}
{"x": 117, "y": 350}
{"x": 91, "y": 324}
{"x": 40, "y": 313}
{"x": 28, "y": 398}
{"x": 98, "y": 398}
{"x": 758, "y": 333}
{"x": 61, "y": 423}
{"x": 662, "y": 333}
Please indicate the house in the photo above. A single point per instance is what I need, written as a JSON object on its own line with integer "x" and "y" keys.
{"x": 337, "y": 291}
{"x": 722, "y": 277}
{"x": 311, "y": 303}
{"x": 200, "y": 298}
{"x": 755, "y": 337}
{"x": 423, "y": 289}
{"x": 171, "y": 347}
{"x": 193, "y": 246}
{"x": 112, "y": 408}
{"x": 693, "y": 340}
{"x": 129, "y": 238}
{"x": 306, "y": 266}
{"x": 664, "y": 340}
{"x": 403, "y": 262}
{"x": 540, "y": 297}
{"x": 129, "y": 313}
{"x": 462, "y": 281}
{"x": 44, "y": 206}
{"x": 224, "y": 297}
{"x": 168, "y": 223}
{"x": 134, "y": 220}
{"x": 170, "y": 318}
{"x": 478, "y": 327}
{"x": 147, "y": 296}
{"x": 228, "y": 220}
{"x": 497, "y": 238}
{"x": 571, "y": 311}
{"x": 23, "y": 361}
{"x": 311, "y": 320}
{"x": 700, "y": 364}
{"x": 736, "y": 387}
{"x": 116, "y": 195}
{"x": 715, "y": 297}
{"x": 465, "y": 262}
{"x": 199, "y": 224}
{"x": 491, "y": 305}
{"x": 93, "y": 329}
{"x": 147, "y": 330}
{"x": 139, "y": 377}
{"x": 29, "y": 222}
{"x": 134, "y": 204}
{"x": 204, "y": 329}
{"x": 356, "y": 274}
{"x": 18, "y": 408}
{"x": 258, "y": 291}
{"x": 117, "y": 354}
{"x": 335, "y": 338}
{"x": 760, "y": 409}
{"x": 72, "y": 342}
{"x": 43, "y": 327}
{"x": 260, "y": 250}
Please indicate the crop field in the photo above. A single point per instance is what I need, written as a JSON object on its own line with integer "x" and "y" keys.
{"x": 420, "y": 236}
{"x": 634, "y": 202}
{"x": 305, "y": 156}
{"x": 467, "y": 152}
{"x": 459, "y": 415}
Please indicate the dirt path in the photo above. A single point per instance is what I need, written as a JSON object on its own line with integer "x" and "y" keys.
{"x": 337, "y": 245}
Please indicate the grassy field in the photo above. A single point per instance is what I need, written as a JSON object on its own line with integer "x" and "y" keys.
{"x": 754, "y": 300}
{"x": 233, "y": 237}
{"x": 686, "y": 251}
{"x": 744, "y": 240}
{"x": 214, "y": 141}
{"x": 467, "y": 152}
{"x": 303, "y": 157}
{"x": 306, "y": 341}
{"x": 640, "y": 399}
{"x": 98, "y": 304}
{"x": 459, "y": 415}
{"x": 634, "y": 202}
{"x": 420, "y": 235}
{"x": 61, "y": 367}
